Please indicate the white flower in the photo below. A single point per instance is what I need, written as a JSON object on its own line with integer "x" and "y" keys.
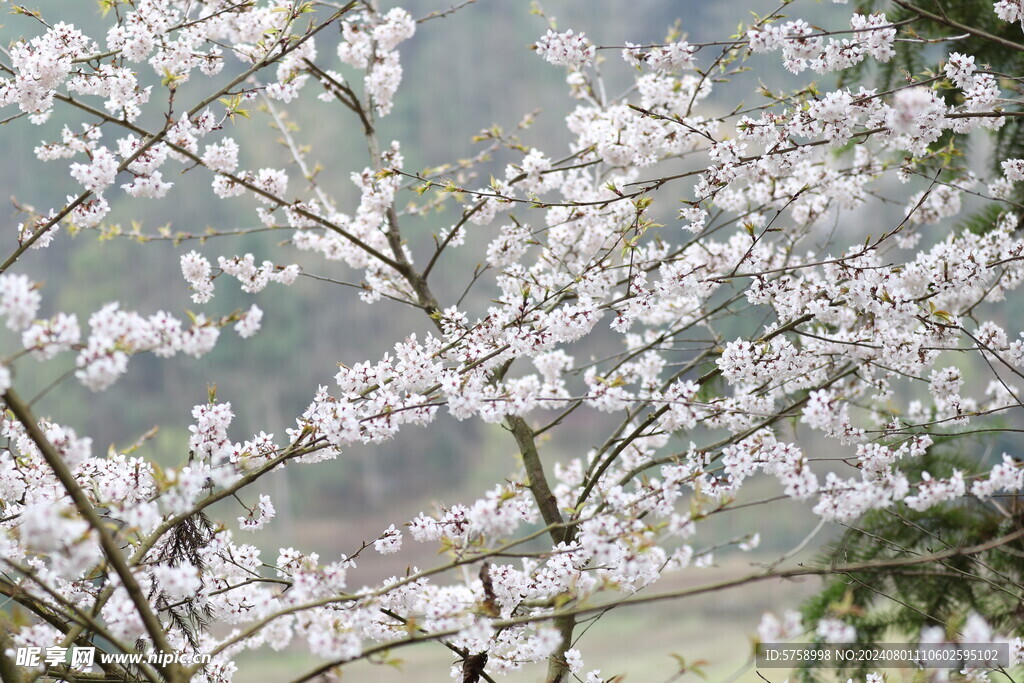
{"x": 1010, "y": 10}
{"x": 397, "y": 26}
{"x": 389, "y": 542}
{"x": 672, "y": 57}
{"x": 913, "y": 109}
{"x": 832, "y": 630}
{"x": 772, "y": 630}
{"x": 574, "y": 660}
{"x": 249, "y": 324}
{"x": 98, "y": 175}
{"x": 257, "y": 519}
{"x": 178, "y": 581}
{"x": 196, "y": 270}
{"x": 566, "y": 49}
{"x": 19, "y": 300}
{"x": 1013, "y": 169}
{"x": 960, "y": 69}
{"x": 46, "y": 527}
{"x": 222, "y": 157}
{"x": 48, "y": 338}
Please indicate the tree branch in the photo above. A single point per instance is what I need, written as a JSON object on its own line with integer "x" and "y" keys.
{"x": 111, "y": 551}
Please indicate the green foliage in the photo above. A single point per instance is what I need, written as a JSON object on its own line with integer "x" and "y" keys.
{"x": 893, "y": 604}
{"x": 912, "y": 63}
{"x": 983, "y": 220}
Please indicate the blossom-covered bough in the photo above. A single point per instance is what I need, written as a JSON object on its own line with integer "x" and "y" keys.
{"x": 587, "y": 250}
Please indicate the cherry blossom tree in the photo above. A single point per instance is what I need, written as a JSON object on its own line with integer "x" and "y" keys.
{"x": 682, "y": 270}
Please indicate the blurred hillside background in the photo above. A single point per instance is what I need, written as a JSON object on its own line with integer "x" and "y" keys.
{"x": 463, "y": 73}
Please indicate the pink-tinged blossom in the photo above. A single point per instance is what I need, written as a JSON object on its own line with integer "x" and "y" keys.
{"x": 1016, "y": 651}
{"x": 832, "y": 630}
{"x": 766, "y": 38}
{"x": 209, "y": 441}
{"x": 47, "y": 527}
{"x": 566, "y": 49}
{"x": 254, "y": 278}
{"x": 1006, "y": 476}
{"x": 221, "y": 157}
{"x": 88, "y": 214}
{"x": 259, "y": 516}
{"x": 42, "y": 64}
{"x": 99, "y": 174}
{"x": 148, "y": 186}
{"x": 931, "y": 492}
{"x": 389, "y": 542}
{"x": 1013, "y": 169}
{"x": 47, "y": 338}
{"x": 960, "y": 69}
{"x": 1010, "y": 10}
{"x": 19, "y": 300}
{"x": 933, "y": 206}
{"x": 876, "y": 35}
{"x": 272, "y": 181}
{"x": 197, "y": 271}
{"x": 249, "y": 324}
{"x": 913, "y": 110}
{"x": 775, "y": 630}
{"x": 672, "y": 57}
{"x": 395, "y": 27}
{"x": 178, "y": 581}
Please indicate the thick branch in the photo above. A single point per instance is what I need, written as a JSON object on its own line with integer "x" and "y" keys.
{"x": 537, "y": 480}
{"x": 558, "y": 670}
{"x": 111, "y": 551}
{"x": 700, "y": 590}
